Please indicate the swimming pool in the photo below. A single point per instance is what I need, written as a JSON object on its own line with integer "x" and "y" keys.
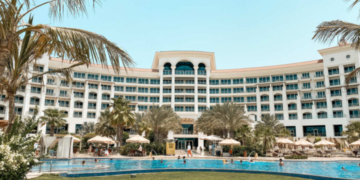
{"x": 329, "y": 169}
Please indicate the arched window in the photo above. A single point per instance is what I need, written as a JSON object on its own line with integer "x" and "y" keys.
{"x": 307, "y": 116}
{"x": 202, "y": 69}
{"x": 184, "y": 66}
{"x": 167, "y": 69}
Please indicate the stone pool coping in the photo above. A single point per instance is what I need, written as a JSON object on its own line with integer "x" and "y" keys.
{"x": 124, "y": 172}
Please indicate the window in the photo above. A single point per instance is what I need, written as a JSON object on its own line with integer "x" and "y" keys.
{"x": 37, "y": 80}
{"x": 132, "y": 107}
{"x": 225, "y": 99}
{"x": 307, "y": 96}
{"x": 119, "y": 88}
{"x": 143, "y": 99}
{"x": 226, "y": 81}
{"x": 306, "y": 86}
{"x": 251, "y": 108}
{"x": 106, "y": 78}
{"x": 49, "y": 102}
{"x": 202, "y": 91}
{"x": 264, "y": 79}
{"x": 91, "y": 115}
{"x": 130, "y": 98}
{"x": 143, "y": 81}
{"x": 78, "y": 84}
{"x": 92, "y": 96}
{"x": 190, "y": 82}
{"x": 91, "y": 105}
{"x": 130, "y": 80}
{"x": 354, "y": 113}
{"x": 353, "y": 80}
{"x": 278, "y": 107}
{"x": 166, "y": 90}
{"x": 238, "y": 81}
{"x": 351, "y": 91}
{"x": 334, "y": 82}
{"x": 104, "y": 106}
{"x": 214, "y": 91}
{"x": 179, "y": 90}
{"x": 214, "y": 82}
{"x": 277, "y": 88}
{"x": 18, "y": 110}
{"x": 130, "y": 89}
{"x": 49, "y": 92}
{"x": 105, "y": 97}
{"x": 202, "y": 100}
{"x": 320, "y": 84}
{"x": 64, "y": 83}
{"x": 35, "y": 101}
{"x": 347, "y": 56}
{"x": 277, "y": 78}
{"x": 291, "y": 96}
{"x": 238, "y": 90}
{"x": 64, "y": 103}
{"x": 63, "y": 93}
{"x": 79, "y": 75}
{"x": 305, "y": 75}
{"x": 214, "y": 100}
{"x": 77, "y": 114}
{"x": 322, "y": 115}
{"x": 166, "y": 99}
{"x": 279, "y": 116}
{"x": 336, "y": 104}
{"x": 143, "y": 90}
{"x": 251, "y": 80}
{"x": 348, "y": 69}
{"x": 291, "y": 77}
{"x": 239, "y": 99}
{"x": 189, "y": 99}
{"x": 335, "y": 92}
{"x": 179, "y": 99}
{"x": 265, "y": 108}
{"x": 266, "y": 88}
{"x": 36, "y": 90}
{"x": 320, "y": 105}
{"x": 93, "y": 86}
{"x": 201, "y": 108}
{"x": 251, "y": 89}
{"x": 93, "y": 76}
{"x": 251, "y": 99}
{"x": 333, "y": 71}
{"x": 106, "y": 87}
{"x": 166, "y": 81}
{"x": 142, "y": 108}
{"x": 154, "y": 99}
{"x": 292, "y": 106}
{"x": 292, "y": 116}
{"x": 190, "y": 91}
{"x": 307, "y": 116}
{"x": 201, "y": 81}
{"x": 278, "y": 97}
{"x": 118, "y": 79}
{"x": 154, "y": 90}
{"x": 78, "y": 94}
{"x": 179, "y": 108}
{"x": 179, "y": 81}
{"x": 264, "y": 98}
{"x": 338, "y": 114}
{"x": 2, "y": 97}
{"x": 291, "y": 87}
{"x": 154, "y": 81}
{"x": 189, "y": 109}
{"x": 306, "y": 106}
{"x": 321, "y": 94}
{"x": 50, "y": 81}
{"x": 319, "y": 74}
{"x": 39, "y": 68}
{"x": 225, "y": 90}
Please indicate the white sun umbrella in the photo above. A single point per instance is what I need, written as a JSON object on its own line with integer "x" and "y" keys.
{"x": 284, "y": 141}
{"x": 303, "y": 142}
{"x": 101, "y": 139}
{"x": 137, "y": 139}
{"x": 324, "y": 143}
{"x": 76, "y": 140}
{"x": 212, "y": 138}
{"x": 356, "y": 143}
{"x": 229, "y": 142}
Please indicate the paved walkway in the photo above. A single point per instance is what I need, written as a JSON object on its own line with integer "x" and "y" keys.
{"x": 32, "y": 175}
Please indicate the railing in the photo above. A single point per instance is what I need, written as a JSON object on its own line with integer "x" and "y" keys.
{"x": 19, "y": 101}
{"x": 306, "y": 97}
{"x": 335, "y": 84}
{"x": 338, "y": 116}
{"x": 320, "y": 97}
{"x": 65, "y": 85}
{"x": 292, "y": 88}
{"x": 78, "y": 106}
{"x": 306, "y": 107}
{"x": 353, "y": 81}
{"x": 264, "y": 100}
{"x": 20, "y": 90}
{"x": 63, "y": 105}
{"x": 178, "y": 91}
{"x": 179, "y": 82}
{"x": 306, "y": 87}
{"x": 253, "y": 100}
{"x": 64, "y": 95}
{"x": 292, "y": 108}
{"x": 305, "y": 77}
{"x": 190, "y": 91}
{"x": 189, "y": 100}
{"x": 307, "y": 117}
{"x": 34, "y": 103}
{"x": 179, "y": 100}
{"x": 239, "y": 91}
{"x": 250, "y": 91}
{"x": 79, "y": 87}
{"x": 92, "y": 107}
{"x": 201, "y": 72}
{"x": 337, "y": 105}
{"x": 36, "y": 92}
{"x": 337, "y": 134}
{"x": 18, "y": 113}
{"x": 277, "y": 89}
{"x": 320, "y": 86}
{"x": 51, "y": 83}
{"x": 49, "y": 104}
{"x": 189, "y": 82}
{"x": 77, "y": 116}
{"x": 265, "y": 109}
{"x": 278, "y": 109}
{"x": 277, "y": 99}
{"x": 353, "y": 104}
{"x": 320, "y": 107}
{"x": 167, "y": 72}
{"x": 335, "y": 94}
{"x": 105, "y": 98}
{"x": 264, "y": 81}
{"x": 251, "y": 110}
{"x": 202, "y": 92}
{"x": 184, "y": 132}
{"x": 333, "y": 72}
{"x": 291, "y": 98}
{"x": 319, "y": 75}
{"x": 354, "y": 116}
{"x": 322, "y": 116}
{"x": 352, "y": 92}
{"x": 106, "y": 89}
{"x": 201, "y": 82}
{"x": 314, "y": 134}
{"x": 180, "y": 72}
{"x": 2, "y": 111}
{"x": 78, "y": 96}
{"x": 291, "y": 79}
{"x": 166, "y": 82}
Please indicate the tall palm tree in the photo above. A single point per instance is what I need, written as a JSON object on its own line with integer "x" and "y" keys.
{"x": 22, "y": 44}
{"x": 121, "y": 116}
{"x": 88, "y": 127}
{"x": 228, "y": 116}
{"x": 353, "y": 131}
{"x": 328, "y": 31}
{"x": 104, "y": 127}
{"x": 53, "y": 118}
{"x": 244, "y": 133}
{"x": 267, "y": 129}
{"x": 140, "y": 125}
{"x": 161, "y": 120}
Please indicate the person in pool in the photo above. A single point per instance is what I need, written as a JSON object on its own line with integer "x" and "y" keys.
{"x": 251, "y": 161}
{"x": 342, "y": 168}
{"x": 281, "y": 163}
{"x": 232, "y": 161}
{"x": 225, "y": 161}
{"x": 184, "y": 161}
{"x": 153, "y": 158}
{"x": 96, "y": 160}
{"x": 240, "y": 161}
{"x": 83, "y": 162}
{"x": 161, "y": 161}
{"x": 359, "y": 164}
{"x": 179, "y": 157}
{"x": 111, "y": 159}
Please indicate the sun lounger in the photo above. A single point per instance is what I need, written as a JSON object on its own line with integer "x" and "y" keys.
{"x": 277, "y": 154}
{"x": 297, "y": 153}
{"x": 132, "y": 152}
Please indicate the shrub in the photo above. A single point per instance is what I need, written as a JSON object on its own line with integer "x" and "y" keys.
{"x": 296, "y": 157}
{"x": 159, "y": 148}
{"x": 125, "y": 137}
{"x": 239, "y": 150}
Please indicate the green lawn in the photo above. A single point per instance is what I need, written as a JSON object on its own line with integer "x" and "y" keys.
{"x": 179, "y": 176}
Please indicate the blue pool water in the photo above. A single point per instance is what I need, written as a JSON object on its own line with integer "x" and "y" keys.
{"x": 330, "y": 169}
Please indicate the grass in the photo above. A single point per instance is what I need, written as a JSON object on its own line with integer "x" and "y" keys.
{"x": 178, "y": 176}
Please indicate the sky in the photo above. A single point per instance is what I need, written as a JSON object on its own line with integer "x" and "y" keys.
{"x": 241, "y": 33}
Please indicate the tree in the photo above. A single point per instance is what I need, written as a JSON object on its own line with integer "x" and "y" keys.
{"x": 353, "y": 131}
{"x": 244, "y": 134}
{"x": 328, "y": 31}
{"x": 88, "y": 127}
{"x": 267, "y": 129}
{"x": 140, "y": 125}
{"x": 22, "y": 44}
{"x": 53, "y": 118}
{"x": 161, "y": 120}
{"x": 104, "y": 127}
{"x": 121, "y": 116}
{"x": 227, "y": 116}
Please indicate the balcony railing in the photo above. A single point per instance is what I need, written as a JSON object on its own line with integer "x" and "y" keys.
{"x": 36, "y": 92}
{"x": 265, "y": 100}
{"x": 292, "y": 108}
{"x": 352, "y": 92}
{"x": 338, "y": 134}
{"x": 180, "y": 72}
{"x": 314, "y": 134}
{"x": 353, "y": 104}
{"x": 78, "y": 106}
{"x": 354, "y": 116}
{"x": 338, "y": 115}
{"x": 277, "y": 99}
{"x": 306, "y": 107}
{"x": 19, "y": 101}
{"x": 167, "y": 72}
{"x": 201, "y": 72}
{"x": 335, "y": 94}
{"x": 2, "y": 111}
{"x": 337, "y": 105}
{"x": 320, "y": 86}
{"x": 278, "y": 109}
{"x": 321, "y": 107}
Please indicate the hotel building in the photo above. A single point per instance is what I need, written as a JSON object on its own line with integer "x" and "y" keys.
{"x": 308, "y": 97}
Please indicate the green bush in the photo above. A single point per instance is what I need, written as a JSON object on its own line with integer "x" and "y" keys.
{"x": 239, "y": 150}
{"x": 125, "y": 137}
{"x": 160, "y": 149}
{"x": 296, "y": 157}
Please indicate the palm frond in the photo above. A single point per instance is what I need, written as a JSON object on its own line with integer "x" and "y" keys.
{"x": 73, "y": 7}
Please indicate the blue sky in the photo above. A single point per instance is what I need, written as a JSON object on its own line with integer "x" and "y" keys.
{"x": 241, "y": 33}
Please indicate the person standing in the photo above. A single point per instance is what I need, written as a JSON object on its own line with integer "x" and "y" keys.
{"x": 189, "y": 151}
{"x": 210, "y": 149}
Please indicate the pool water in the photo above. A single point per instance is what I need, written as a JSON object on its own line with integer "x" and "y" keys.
{"x": 330, "y": 169}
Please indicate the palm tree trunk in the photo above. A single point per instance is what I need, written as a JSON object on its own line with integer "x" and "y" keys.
{"x": 119, "y": 133}
{"x": 52, "y": 130}
{"x": 12, "y": 114}
{"x": 4, "y": 54}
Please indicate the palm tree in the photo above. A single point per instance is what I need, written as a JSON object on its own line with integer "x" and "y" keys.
{"x": 140, "y": 125}
{"x": 121, "y": 116}
{"x": 53, "y": 118}
{"x": 267, "y": 129}
{"x": 104, "y": 127}
{"x": 353, "y": 131}
{"x": 161, "y": 120}
{"x": 328, "y": 31}
{"x": 22, "y": 44}
{"x": 244, "y": 134}
{"x": 88, "y": 127}
{"x": 227, "y": 116}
